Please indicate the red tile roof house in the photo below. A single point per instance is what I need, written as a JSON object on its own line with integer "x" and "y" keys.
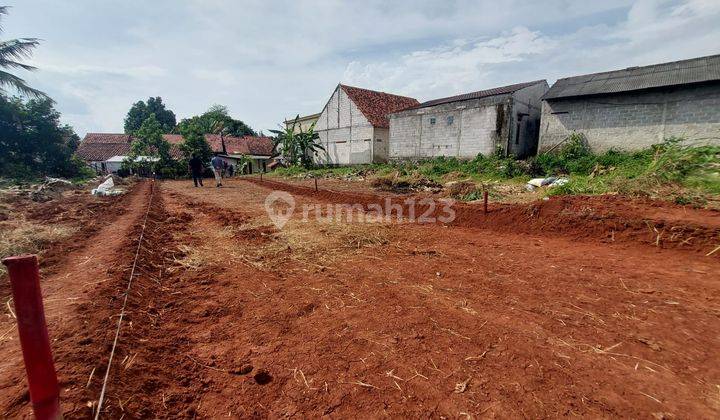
{"x": 105, "y": 152}
{"x": 353, "y": 126}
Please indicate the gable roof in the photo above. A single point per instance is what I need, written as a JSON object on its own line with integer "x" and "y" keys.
{"x": 695, "y": 70}
{"x": 502, "y": 90}
{"x": 102, "y": 146}
{"x": 248, "y": 145}
{"x": 375, "y": 106}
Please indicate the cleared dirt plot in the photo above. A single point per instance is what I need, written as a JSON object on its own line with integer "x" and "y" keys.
{"x": 595, "y": 307}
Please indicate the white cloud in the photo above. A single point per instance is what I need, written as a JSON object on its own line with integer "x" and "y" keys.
{"x": 270, "y": 60}
{"x": 139, "y": 72}
{"x": 651, "y": 32}
{"x": 455, "y": 67}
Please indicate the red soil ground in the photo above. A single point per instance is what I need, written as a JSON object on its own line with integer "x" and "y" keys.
{"x": 595, "y": 306}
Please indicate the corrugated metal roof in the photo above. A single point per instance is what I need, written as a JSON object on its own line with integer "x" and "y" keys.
{"x": 502, "y": 90}
{"x": 696, "y": 70}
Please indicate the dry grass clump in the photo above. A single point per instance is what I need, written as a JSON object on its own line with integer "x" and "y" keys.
{"x": 398, "y": 183}
{"x": 320, "y": 244}
{"x": 20, "y": 236}
{"x": 462, "y": 189}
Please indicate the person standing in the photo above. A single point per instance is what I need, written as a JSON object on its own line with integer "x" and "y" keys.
{"x": 196, "y": 169}
{"x": 217, "y": 167}
{"x": 231, "y": 171}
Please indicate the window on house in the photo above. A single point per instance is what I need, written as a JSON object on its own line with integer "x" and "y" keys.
{"x": 450, "y": 119}
{"x": 432, "y": 121}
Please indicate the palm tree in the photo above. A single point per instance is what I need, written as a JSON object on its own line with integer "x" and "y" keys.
{"x": 11, "y": 51}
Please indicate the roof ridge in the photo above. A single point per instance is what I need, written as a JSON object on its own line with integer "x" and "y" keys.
{"x": 478, "y": 94}
{"x": 685, "y": 60}
{"x": 375, "y": 91}
{"x": 672, "y": 73}
{"x": 534, "y": 82}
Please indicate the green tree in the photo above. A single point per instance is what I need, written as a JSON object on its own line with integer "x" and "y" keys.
{"x": 243, "y": 162}
{"x": 298, "y": 148}
{"x": 149, "y": 151}
{"x": 34, "y": 143}
{"x": 11, "y": 51}
{"x": 194, "y": 142}
{"x": 140, "y": 111}
{"x": 217, "y": 120}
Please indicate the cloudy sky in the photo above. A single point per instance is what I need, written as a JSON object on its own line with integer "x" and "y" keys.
{"x": 269, "y": 60}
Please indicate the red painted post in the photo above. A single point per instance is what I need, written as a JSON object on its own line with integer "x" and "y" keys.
{"x": 34, "y": 340}
{"x": 485, "y": 200}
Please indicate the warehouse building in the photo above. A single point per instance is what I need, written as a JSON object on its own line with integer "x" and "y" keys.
{"x": 463, "y": 126}
{"x": 353, "y": 126}
{"x": 637, "y": 107}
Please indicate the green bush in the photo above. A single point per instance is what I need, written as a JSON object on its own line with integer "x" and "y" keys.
{"x": 691, "y": 172}
{"x": 34, "y": 143}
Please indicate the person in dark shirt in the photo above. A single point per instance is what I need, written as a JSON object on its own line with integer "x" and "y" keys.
{"x": 196, "y": 169}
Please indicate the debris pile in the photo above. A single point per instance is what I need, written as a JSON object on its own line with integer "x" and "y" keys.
{"x": 403, "y": 184}
{"x": 550, "y": 181}
{"x": 108, "y": 188}
{"x": 51, "y": 189}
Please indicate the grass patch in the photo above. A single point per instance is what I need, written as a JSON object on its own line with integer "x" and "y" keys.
{"x": 670, "y": 170}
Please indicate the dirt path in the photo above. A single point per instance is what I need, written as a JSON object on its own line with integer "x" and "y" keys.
{"x": 231, "y": 316}
{"x": 318, "y": 319}
{"x": 79, "y": 273}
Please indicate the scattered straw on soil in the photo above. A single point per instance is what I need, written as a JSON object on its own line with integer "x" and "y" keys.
{"x": 20, "y": 236}
{"x": 299, "y": 243}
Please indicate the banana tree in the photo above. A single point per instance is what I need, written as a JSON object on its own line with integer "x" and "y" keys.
{"x": 299, "y": 146}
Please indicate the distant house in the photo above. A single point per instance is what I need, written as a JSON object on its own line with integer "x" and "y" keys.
{"x": 505, "y": 118}
{"x": 636, "y": 107}
{"x": 105, "y": 152}
{"x": 304, "y": 122}
{"x": 353, "y": 126}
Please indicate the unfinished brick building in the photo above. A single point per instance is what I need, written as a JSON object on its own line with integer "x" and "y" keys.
{"x": 637, "y": 107}
{"x": 505, "y": 118}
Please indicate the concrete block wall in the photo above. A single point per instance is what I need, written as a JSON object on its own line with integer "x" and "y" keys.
{"x": 635, "y": 120}
{"x": 525, "y": 120}
{"x": 460, "y": 129}
{"x": 381, "y": 145}
{"x": 405, "y": 130}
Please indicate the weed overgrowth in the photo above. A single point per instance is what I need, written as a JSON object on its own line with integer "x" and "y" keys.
{"x": 671, "y": 170}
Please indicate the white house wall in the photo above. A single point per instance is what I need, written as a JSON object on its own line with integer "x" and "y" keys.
{"x": 344, "y": 132}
